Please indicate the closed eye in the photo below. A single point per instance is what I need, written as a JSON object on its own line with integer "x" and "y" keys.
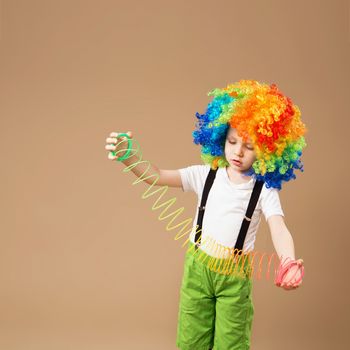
{"x": 250, "y": 147}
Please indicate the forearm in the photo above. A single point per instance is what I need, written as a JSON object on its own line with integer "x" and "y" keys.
{"x": 283, "y": 243}
{"x": 143, "y": 169}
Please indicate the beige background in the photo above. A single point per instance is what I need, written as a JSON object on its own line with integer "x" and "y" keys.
{"x": 84, "y": 261}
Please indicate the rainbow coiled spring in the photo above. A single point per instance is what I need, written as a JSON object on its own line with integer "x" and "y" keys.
{"x": 225, "y": 260}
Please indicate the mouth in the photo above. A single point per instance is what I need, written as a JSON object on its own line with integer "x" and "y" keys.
{"x": 235, "y": 161}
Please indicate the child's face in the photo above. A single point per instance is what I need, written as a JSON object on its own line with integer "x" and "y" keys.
{"x": 236, "y": 149}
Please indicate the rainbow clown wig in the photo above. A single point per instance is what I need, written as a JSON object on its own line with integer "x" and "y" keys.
{"x": 261, "y": 112}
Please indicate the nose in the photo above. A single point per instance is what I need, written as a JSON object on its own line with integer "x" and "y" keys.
{"x": 238, "y": 150}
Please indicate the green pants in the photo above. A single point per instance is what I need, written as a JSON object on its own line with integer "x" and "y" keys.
{"x": 216, "y": 310}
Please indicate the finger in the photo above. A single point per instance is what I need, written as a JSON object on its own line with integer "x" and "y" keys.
{"x": 111, "y": 156}
{"x": 294, "y": 286}
{"x": 111, "y": 140}
{"x": 286, "y": 285}
{"x": 291, "y": 279}
{"x": 292, "y": 275}
{"x": 110, "y": 147}
{"x": 116, "y": 134}
{"x": 115, "y": 140}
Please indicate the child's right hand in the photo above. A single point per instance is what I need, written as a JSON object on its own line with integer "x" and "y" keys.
{"x": 117, "y": 144}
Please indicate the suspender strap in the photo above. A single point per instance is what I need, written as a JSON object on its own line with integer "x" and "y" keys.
{"x": 207, "y": 186}
{"x": 248, "y": 216}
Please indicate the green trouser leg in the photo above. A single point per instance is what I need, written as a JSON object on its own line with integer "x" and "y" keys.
{"x": 216, "y": 310}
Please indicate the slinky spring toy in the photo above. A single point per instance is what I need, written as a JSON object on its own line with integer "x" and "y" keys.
{"x": 230, "y": 261}
{"x": 285, "y": 267}
{"x": 231, "y": 266}
{"x": 125, "y": 156}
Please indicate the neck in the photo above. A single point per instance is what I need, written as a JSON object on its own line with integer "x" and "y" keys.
{"x": 237, "y": 175}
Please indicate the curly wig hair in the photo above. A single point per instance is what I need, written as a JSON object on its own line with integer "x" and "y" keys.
{"x": 261, "y": 112}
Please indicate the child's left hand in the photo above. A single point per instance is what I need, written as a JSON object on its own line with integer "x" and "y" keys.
{"x": 290, "y": 276}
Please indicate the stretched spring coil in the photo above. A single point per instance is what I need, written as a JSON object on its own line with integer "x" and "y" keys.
{"x": 223, "y": 260}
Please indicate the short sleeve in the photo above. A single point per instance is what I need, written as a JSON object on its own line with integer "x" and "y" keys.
{"x": 270, "y": 203}
{"x": 193, "y": 177}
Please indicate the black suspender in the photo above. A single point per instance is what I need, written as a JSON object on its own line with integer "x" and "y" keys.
{"x": 249, "y": 213}
{"x": 207, "y": 186}
{"x": 248, "y": 216}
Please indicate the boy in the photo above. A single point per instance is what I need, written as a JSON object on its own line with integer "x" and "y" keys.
{"x": 250, "y": 132}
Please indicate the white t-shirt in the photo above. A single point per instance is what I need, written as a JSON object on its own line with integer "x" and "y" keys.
{"x": 227, "y": 205}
